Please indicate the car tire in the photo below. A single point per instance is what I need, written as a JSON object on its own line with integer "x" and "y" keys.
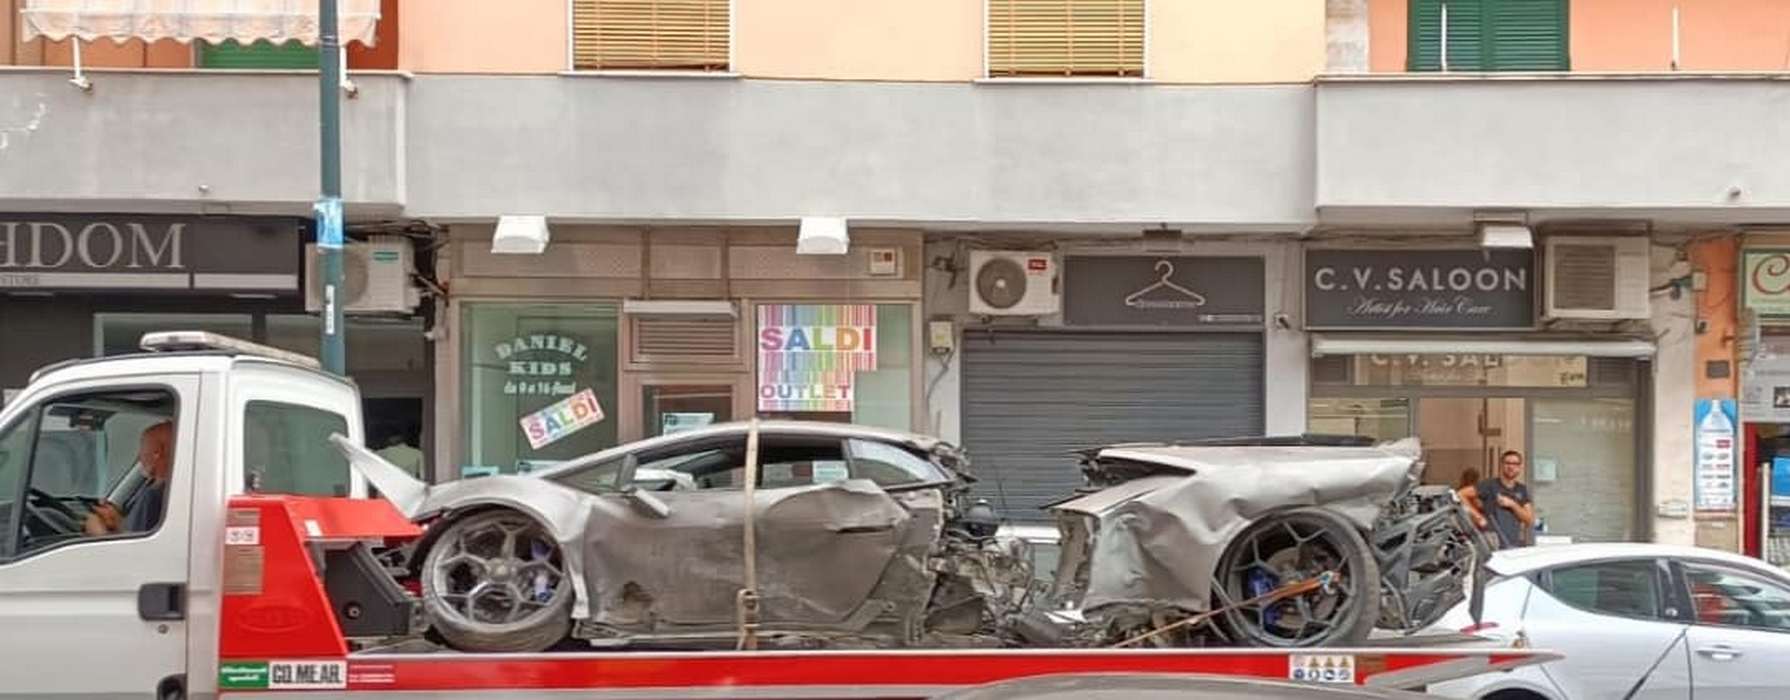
{"x": 452, "y": 597}
{"x": 1295, "y": 544}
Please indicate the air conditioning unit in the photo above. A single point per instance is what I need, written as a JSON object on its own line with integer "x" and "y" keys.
{"x": 375, "y": 277}
{"x": 1597, "y": 277}
{"x": 1013, "y": 283}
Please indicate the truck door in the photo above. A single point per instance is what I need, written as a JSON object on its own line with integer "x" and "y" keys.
{"x": 95, "y": 501}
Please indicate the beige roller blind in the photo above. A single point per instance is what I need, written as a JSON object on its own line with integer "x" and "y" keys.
{"x": 649, "y": 34}
{"x": 1065, "y": 37}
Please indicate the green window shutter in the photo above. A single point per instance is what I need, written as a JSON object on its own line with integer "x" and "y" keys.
{"x": 260, "y": 55}
{"x": 1527, "y": 35}
{"x": 1488, "y": 35}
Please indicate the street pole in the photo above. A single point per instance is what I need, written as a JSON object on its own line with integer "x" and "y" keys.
{"x": 329, "y": 205}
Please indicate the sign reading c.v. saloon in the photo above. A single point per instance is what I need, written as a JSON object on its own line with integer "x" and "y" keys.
{"x": 1451, "y": 289}
{"x": 131, "y": 251}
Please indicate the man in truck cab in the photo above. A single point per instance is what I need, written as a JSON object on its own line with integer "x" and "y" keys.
{"x": 155, "y": 457}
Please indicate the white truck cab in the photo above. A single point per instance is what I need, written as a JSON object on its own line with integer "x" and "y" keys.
{"x": 98, "y": 606}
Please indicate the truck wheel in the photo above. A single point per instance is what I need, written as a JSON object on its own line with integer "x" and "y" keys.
{"x": 496, "y": 581}
{"x": 1291, "y": 546}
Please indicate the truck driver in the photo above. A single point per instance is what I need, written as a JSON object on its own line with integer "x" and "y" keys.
{"x": 155, "y": 456}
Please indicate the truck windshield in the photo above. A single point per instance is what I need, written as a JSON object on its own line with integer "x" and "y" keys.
{"x": 286, "y": 449}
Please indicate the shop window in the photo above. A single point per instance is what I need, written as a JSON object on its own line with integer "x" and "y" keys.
{"x": 651, "y": 34}
{"x": 121, "y": 333}
{"x": 1381, "y": 419}
{"x": 1489, "y": 35}
{"x": 1582, "y": 470}
{"x": 1060, "y": 38}
{"x": 1465, "y": 370}
{"x": 286, "y": 449}
{"x": 539, "y": 384}
{"x": 814, "y": 364}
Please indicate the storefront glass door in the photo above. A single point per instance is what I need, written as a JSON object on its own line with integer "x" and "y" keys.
{"x": 1582, "y": 467}
{"x": 1380, "y": 419}
{"x": 671, "y": 408}
{"x": 1462, "y": 438}
{"x": 1572, "y": 419}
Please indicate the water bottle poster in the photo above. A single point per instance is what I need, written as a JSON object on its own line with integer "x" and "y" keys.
{"x": 1718, "y": 446}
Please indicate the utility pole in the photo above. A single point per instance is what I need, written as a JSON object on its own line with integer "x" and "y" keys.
{"x": 329, "y": 204}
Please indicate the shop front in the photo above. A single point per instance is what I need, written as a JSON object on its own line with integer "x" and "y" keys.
{"x": 1764, "y": 404}
{"x": 615, "y": 334}
{"x": 87, "y": 285}
{"x": 1145, "y": 348}
{"x": 1443, "y": 345}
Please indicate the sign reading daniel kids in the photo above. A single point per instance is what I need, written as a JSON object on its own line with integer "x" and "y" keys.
{"x": 809, "y": 355}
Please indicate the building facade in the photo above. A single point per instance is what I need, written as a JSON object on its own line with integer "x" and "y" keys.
{"x": 1516, "y": 225}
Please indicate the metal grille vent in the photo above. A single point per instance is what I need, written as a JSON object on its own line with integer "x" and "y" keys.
{"x": 661, "y": 338}
{"x": 1584, "y": 277}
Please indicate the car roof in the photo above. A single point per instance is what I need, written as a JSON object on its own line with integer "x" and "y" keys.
{"x": 1523, "y": 560}
{"x": 780, "y": 427}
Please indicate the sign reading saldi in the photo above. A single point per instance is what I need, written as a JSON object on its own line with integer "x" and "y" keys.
{"x": 809, "y": 355}
{"x": 1449, "y": 289}
{"x": 131, "y": 251}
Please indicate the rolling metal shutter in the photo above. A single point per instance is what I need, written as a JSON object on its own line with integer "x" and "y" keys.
{"x": 1030, "y": 398}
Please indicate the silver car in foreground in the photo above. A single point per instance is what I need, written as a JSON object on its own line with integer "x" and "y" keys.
{"x": 1633, "y": 620}
{"x": 1167, "y": 686}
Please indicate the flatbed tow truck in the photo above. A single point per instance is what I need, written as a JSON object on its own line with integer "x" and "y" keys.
{"x": 261, "y": 578}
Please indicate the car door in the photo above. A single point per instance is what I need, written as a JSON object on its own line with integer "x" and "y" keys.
{"x": 822, "y": 539}
{"x": 1740, "y": 642}
{"x": 96, "y": 613}
{"x": 1614, "y": 622}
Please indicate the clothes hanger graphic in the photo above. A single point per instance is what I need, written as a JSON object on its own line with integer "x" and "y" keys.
{"x": 1166, "y": 269}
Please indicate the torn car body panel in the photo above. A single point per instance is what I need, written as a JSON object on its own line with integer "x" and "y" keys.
{"x": 1155, "y": 539}
{"x": 821, "y": 551}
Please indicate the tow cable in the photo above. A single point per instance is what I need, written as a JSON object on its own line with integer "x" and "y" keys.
{"x": 1325, "y": 581}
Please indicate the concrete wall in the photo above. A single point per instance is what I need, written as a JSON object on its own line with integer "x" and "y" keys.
{"x": 1636, "y": 35}
{"x": 511, "y": 36}
{"x": 1717, "y": 256}
{"x": 192, "y": 142}
{"x": 1347, "y": 36}
{"x": 921, "y": 40}
{"x": 742, "y": 150}
{"x": 1191, "y": 41}
{"x": 1714, "y": 35}
{"x": 1669, "y": 148}
{"x": 1286, "y": 365}
{"x": 1674, "y": 398}
{"x": 1224, "y": 41}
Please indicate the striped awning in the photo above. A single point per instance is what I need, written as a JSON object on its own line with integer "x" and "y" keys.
{"x": 211, "y": 21}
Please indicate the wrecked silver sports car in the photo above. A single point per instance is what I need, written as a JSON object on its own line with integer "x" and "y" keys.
{"x": 828, "y": 535}
{"x": 1226, "y": 525}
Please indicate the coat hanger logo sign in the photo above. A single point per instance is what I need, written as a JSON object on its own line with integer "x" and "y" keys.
{"x": 1184, "y": 298}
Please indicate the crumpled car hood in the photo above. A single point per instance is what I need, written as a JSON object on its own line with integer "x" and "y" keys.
{"x": 1156, "y": 539}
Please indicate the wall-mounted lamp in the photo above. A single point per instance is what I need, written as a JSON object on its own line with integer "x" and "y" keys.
{"x": 823, "y": 235}
{"x": 1504, "y": 230}
{"x": 520, "y": 235}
